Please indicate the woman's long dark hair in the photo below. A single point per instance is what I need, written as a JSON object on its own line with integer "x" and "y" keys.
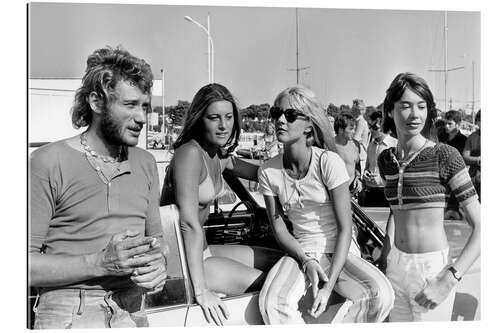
{"x": 193, "y": 126}
{"x": 415, "y": 83}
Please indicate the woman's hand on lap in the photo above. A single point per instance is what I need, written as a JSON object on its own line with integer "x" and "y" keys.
{"x": 315, "y": 274}
{"x": 320, "y": 302}
{"x": 436, "y": 290}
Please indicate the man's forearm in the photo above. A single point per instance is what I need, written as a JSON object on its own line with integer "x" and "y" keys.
{"x": 48, "y": 270}
{"x": 472, "y": 160}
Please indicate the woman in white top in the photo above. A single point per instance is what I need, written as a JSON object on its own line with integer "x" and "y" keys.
{"x": 308, "y": 183}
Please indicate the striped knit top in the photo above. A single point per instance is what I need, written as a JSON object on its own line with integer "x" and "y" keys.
{"x": 427, "y": 179}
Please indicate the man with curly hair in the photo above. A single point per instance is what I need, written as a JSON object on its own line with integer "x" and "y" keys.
{"x": 95, "y": 237}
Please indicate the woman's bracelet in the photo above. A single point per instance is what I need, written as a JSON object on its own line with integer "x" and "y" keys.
{"x": 307, "y": 261}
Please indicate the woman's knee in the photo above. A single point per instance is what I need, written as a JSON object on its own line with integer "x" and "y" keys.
{"x": 228, "y": 276}
{"x": 277, "y": 307}
{"x": 273, "y": 289}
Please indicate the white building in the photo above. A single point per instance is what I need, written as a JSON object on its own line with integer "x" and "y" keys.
{"x": 49, "y": 105}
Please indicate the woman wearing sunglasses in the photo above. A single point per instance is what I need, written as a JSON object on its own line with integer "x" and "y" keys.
{"x": 419, "y": 174}
{"x": 211, "y": 129}
{"x": 309, "y": 185}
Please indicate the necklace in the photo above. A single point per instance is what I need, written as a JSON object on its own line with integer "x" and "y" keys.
{"x": 410, "y": 156}
{"x": 91, "y": 152}
{"x": 300, "y": 173}
{"x": 107, "y": 169}
{"x": 295, "y": 187}
{"x": 402, "y": 166}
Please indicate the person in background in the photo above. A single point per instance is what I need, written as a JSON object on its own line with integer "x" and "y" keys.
{"x": 95, "y": 236}
{"x": 438, "y": 131}
{"x": 270, "y": 146}
{"x": 193, "y": 181}
{"x": 349, "y": 150}
{"x": 418, "y": 174}
{"x": 309, "y": 183}
{"x": 362, "y": 132}
{"x": 472, "y": 154}
{"x": 373, "y": 189}
{"x": 455, "y": 139}
{"x": 331, "y": 119}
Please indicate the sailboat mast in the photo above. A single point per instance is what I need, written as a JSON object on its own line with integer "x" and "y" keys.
{"x": 297, "y": 42}
{"x": 297, "y": 69}
{"x": 473, "y": 96}
{"x": 163, "y": 102}
{"x": 445, "y": 70}
{"x": 445, "y": 57}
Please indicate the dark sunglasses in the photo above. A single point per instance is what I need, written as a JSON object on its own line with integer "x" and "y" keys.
{"x": 290, "y": 114}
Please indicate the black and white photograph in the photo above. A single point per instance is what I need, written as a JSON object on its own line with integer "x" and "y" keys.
{"x": 227, "y": 164}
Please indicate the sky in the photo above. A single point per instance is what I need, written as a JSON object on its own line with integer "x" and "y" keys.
{"x": 349, "y": 53}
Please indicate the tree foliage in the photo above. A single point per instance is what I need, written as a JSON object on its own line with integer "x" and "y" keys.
{"x": 173, "y": 113}
{"x": 254, "y": 117}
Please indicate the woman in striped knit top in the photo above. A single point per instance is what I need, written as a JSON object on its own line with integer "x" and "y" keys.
{"x": 419, "y": 175}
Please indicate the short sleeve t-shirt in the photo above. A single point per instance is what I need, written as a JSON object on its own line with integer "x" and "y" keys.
{"x": 306, "y": 201}
{"x": 73, "y": 212}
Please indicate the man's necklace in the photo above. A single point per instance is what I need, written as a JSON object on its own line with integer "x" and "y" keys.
{"x": 106, "y": 170}
{"x": 94, "y": 154}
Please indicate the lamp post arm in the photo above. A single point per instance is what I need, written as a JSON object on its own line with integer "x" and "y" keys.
{"x": 211, "y": 58}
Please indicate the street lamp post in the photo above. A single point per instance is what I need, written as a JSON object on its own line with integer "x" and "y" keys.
{"x": 210, "y": 46}
{"x": 162, "y": 102}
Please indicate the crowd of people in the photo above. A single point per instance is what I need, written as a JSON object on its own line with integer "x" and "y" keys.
{"x": 96, "y": 247}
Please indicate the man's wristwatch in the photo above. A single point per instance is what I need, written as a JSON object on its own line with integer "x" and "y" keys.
{"x": 455, "y": 273}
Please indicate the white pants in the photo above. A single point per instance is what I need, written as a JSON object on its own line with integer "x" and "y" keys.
{"x": 408, "y": 273}
{"x": 359, "y": 281}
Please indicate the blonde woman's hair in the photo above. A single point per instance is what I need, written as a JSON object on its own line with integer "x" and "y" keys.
{"x": 304, "y": 100}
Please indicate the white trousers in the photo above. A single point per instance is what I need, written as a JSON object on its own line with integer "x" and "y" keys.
{"x": 286, "y": 286}
{"x": 408, "y": 273}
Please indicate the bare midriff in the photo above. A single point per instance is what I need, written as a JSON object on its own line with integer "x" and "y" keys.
{"x": 420, "y": 230}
